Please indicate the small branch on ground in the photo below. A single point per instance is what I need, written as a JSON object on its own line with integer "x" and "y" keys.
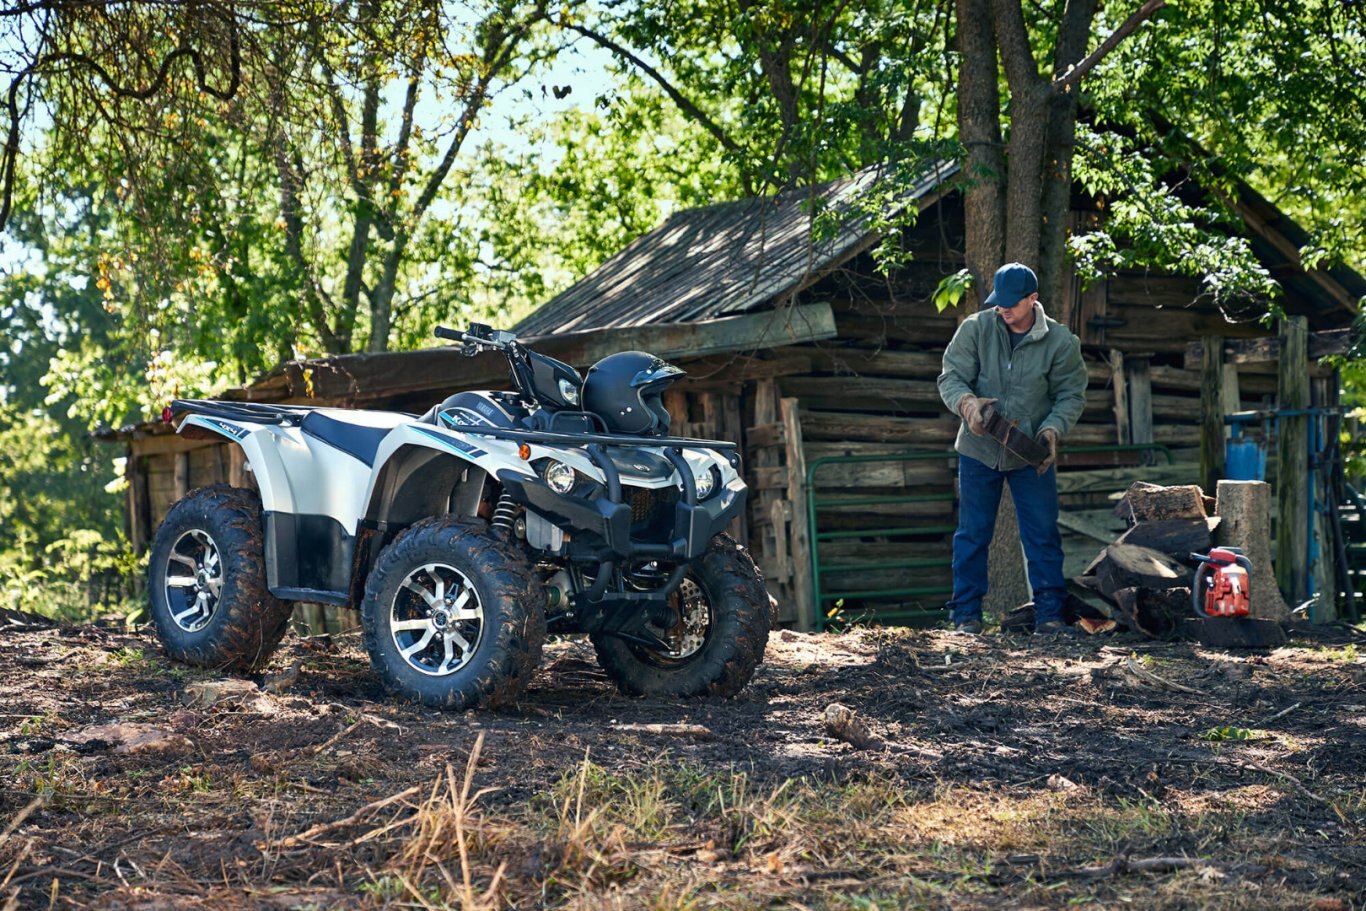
{"x": 666, "y": 730}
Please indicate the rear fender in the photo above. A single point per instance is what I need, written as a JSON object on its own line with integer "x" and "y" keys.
{"x": 264, "y": 460}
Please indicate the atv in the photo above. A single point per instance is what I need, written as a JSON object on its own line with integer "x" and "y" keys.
{"x": 468, "y": 533}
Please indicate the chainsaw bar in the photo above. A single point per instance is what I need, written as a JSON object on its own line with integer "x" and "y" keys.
{"x": 1008, "y": 433}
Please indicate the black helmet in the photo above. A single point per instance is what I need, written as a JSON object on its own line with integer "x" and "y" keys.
{"x": 624, "y": 390}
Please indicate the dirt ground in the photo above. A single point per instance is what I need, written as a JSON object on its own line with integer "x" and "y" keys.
{"x": 1011, "y": 772}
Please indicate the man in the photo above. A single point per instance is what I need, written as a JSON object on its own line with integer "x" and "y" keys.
{"x": 1012, "y": 357}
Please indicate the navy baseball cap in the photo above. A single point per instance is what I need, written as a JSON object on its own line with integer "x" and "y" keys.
{"x": 1013, "y": 281}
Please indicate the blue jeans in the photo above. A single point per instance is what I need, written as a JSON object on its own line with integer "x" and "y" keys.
{"x": 1036, "y": 507}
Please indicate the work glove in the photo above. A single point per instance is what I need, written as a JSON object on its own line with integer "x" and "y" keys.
{"x": 1048, "y": 437}
{"x": 973, "y": 410}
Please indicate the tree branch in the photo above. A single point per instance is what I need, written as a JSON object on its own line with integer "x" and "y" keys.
{"x": 1022, "y": 71}
{"x": 1074, "y": 75}
{"x": 684, "y": 104}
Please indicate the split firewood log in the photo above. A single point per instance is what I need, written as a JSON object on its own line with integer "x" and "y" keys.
{"x": 1144, "y": 502}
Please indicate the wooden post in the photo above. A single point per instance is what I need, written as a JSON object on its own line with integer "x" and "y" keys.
{"x": 182, "y": 474}
{"x": 1324, "y": 572}
{"x": 732, "y": 430}
{"x": 777, "y": 575}
{"x": 1292, "y": 458}
{"x": 1211, "y": 413}
{"x": 1233, "y": 394}
{"x": 237, "y": 466}
{"x": 1123, "y": 431}
{"x": 799, "y": 544}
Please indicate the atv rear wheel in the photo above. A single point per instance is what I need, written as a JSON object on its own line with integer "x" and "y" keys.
{"x": 453, "y": 617}
{"x": 717, "y": 632}
{"x": 207, "y": 582}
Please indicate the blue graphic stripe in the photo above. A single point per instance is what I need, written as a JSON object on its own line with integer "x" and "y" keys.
{"x": 459, "y": 445}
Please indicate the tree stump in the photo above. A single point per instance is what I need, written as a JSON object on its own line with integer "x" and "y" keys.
{"x": 1007, "y": 581}
{"x": 1245, "y": 521}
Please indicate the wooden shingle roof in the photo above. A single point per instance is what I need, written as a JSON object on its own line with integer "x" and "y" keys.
{"x": 728, "y": 258}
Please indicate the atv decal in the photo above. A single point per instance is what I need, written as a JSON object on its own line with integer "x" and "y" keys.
{"x": 456, "y": 444}
{"x": 237, "y": 433}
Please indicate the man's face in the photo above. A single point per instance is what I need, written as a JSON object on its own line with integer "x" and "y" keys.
{"x": 1020, "y": 315}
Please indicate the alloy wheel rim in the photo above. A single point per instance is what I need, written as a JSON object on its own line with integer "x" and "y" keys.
{"x": 436, "y": 620}
{"x": 194, "y": 580}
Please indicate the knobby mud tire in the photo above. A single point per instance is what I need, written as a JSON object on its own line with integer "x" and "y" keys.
{"x": 247, "y": 622}
{"x": 735, "y": 644}
{"x": 509, "y": 650}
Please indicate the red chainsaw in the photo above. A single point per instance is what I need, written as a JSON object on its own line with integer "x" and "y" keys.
{"x": 1221, "y": 587}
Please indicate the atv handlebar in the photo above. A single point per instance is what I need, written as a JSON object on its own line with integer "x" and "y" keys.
{"x": 480, "y": 338}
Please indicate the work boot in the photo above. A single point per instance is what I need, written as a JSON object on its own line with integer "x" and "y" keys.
{"x": 971, "y": 627}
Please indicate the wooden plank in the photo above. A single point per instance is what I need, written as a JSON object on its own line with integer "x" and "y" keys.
{"x": 1123, "y": 429}
{"x": 863, "y": 393}
{"x": 1088, "y": 527}
{"x": 1212, "y": 413}
{"x": 800, "y": 542}
{"x": 1292, "y": 457}
{"x": 732, "y": 429}
{"x": 1140, "y": 399}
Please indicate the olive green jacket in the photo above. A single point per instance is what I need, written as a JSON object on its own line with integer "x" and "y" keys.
{"x": 1042, "y": 383}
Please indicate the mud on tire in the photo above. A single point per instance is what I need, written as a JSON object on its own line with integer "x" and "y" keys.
{"x": 453, "y": 617}
{"x": 207, "y": 582}
{"x": 737, "y": 608}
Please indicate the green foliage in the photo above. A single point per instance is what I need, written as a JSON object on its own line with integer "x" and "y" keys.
{"x": 952, "y": 289}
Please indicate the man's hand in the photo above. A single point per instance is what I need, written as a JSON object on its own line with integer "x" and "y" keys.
{"x": 973, "y": 411}
{"x": 1049, "y": 437}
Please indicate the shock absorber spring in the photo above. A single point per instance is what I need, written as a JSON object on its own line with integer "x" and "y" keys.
{"x": 504, "y": 514}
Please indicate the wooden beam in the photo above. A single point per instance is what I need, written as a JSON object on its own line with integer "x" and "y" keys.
{"x": 1292, "y": 458}
{"x": 1212, "y": 413}
{"x": 1291, "y": 252}
{"x": 1268, "y": 350}
{"x": 361, "y": 377}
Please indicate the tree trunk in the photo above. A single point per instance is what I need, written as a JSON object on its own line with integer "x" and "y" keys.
{"x": 979, "y": 129}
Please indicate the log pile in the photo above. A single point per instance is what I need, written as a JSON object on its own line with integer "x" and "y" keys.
{"x": 1145, "y": 576}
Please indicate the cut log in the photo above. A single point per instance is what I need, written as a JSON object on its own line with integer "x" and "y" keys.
{"x": 1154, "y": 612}
{"x": 1144, "y": 502}
{"x": 1245, "y": 521}
{"x": 1130, "y": 566}
{"x": 1177, "y": 538}
{"x": 1233, "y": 632}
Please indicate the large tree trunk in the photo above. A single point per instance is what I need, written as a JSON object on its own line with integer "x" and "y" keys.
{"x": 979, "y": 129}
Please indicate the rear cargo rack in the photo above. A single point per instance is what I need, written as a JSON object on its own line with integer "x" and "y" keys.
{"x": 255, "y": 412}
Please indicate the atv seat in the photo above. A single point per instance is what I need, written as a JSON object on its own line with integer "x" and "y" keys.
{"x": 358, "y": 440}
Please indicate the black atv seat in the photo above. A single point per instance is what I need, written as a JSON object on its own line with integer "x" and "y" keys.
{"x": 353, "y": 439}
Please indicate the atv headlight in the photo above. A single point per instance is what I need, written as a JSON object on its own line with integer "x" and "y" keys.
{"x": 559, "y": 477}
{"x": 707, "y": 483}
{"x": 569, "y": 392}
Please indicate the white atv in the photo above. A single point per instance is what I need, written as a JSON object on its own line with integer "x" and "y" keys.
{"x": 464, "y": 535}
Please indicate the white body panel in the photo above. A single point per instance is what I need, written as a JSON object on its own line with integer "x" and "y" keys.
{"x": 298, "y": 473}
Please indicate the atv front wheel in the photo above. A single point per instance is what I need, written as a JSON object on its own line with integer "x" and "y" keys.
{"x": 717, "y": 631}
{"x": 453, "y": 617}
{"x": 207, "y": 582}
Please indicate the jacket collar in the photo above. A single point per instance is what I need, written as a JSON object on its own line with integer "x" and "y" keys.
{"x": 1036, "y": 331}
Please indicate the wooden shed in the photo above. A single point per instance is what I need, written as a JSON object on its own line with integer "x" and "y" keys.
{"x": 824, "y": 368}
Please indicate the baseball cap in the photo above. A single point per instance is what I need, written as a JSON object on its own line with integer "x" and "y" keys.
{"x": 1012, "y": 282}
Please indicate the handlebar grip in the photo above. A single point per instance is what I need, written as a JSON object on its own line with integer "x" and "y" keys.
{"x": 451, "y": 334}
